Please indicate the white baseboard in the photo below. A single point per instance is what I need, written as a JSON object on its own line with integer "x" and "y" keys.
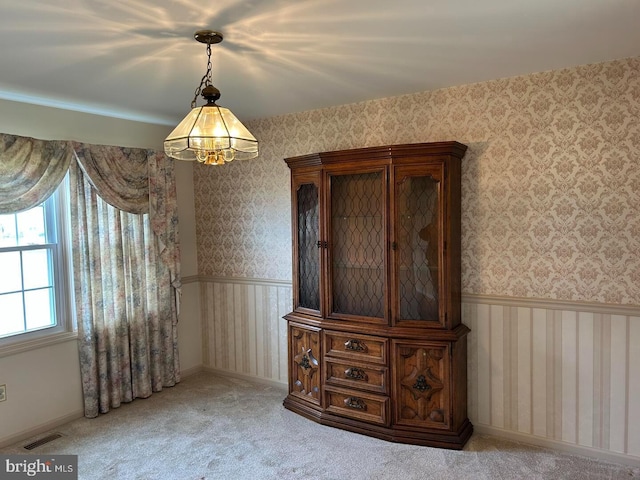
{"x": 596, "y": 453}
{"x": 249, "y": 378}
{"x": 39, "y": 429}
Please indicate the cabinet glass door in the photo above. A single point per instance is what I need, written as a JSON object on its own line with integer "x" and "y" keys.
{"x": 417, "y": 245}
{"x": 356, "y": 248}
{"x": 307, "y": 238}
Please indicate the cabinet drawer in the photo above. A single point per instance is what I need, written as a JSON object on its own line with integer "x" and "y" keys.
{"x": 356, "y": 347}
{"x": 357, "y": 405}
{"x": 356, "y": 375}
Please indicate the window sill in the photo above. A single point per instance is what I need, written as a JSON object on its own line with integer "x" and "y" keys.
{"x": 44, "y": 341}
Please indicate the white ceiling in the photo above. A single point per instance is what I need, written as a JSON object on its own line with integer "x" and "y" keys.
{"x": 137, "y": 58}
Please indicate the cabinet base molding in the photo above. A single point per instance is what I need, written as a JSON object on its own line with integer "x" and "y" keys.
{"x": 423, "y": 437}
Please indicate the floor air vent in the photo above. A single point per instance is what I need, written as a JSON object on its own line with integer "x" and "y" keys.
{"x": 42, "y": 441}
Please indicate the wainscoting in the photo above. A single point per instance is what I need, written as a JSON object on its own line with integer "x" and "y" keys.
{"x": 557, "y": 373}
{"x": 243, "y": 329}
{"x": 560, "y": 374}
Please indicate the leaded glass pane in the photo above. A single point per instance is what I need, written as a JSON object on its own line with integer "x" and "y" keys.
{"x": 417, "y": 244}
{"x": 357, "y": 246}
{"x": 308, "y": 251}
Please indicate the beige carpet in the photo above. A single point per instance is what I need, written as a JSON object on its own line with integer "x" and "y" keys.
{"x": 217, "y": 428}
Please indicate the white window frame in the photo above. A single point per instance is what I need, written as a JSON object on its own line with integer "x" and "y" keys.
{"x": 58, "y": 214}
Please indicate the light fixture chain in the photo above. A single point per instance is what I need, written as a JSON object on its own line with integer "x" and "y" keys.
{"x": 208, "y": 74}
{"x": 206, "y": 78}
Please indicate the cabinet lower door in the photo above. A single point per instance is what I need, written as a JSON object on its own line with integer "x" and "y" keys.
{"x": 304, "y": 361}
{"x": 421, "y": 383}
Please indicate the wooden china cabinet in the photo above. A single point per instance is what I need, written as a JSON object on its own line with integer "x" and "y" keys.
{"x": 376, "y": 343}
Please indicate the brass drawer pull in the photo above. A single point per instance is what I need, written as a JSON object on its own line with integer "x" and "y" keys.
{"x": 304, "y": 363}
{"x": 355, "y": 373}
{"x": 421, "y": 384}
{"x": 355, "y": 345}
{"x": 355, "y": 403}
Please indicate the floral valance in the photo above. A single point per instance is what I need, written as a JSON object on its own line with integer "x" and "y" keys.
{"x": 30, "y": 170}
{"x": 119, "y": 175}
{"x": 134, "y": 180}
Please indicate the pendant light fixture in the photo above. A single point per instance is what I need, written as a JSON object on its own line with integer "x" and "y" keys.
{"x": 210, "y": 134}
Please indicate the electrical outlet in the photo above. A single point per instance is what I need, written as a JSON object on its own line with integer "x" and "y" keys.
{"x": 3, "y": 393}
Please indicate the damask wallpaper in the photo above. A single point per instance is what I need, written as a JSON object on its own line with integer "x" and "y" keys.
{"x": 550, "y": 193}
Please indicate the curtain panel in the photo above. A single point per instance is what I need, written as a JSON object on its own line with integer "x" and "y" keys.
{"x": 127, "y": 320}
{"x": 163, "y": 213}
{"x": 125, "y": 254}
{"x": 126, "y": 259}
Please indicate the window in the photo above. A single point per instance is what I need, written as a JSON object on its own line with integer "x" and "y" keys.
{"x": 34, "y": 284}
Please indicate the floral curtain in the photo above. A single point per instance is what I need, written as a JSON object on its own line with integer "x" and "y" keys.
{"x": 120, "y": 175}
{"x": 137, "y": 181}
{"x": 126, "y": 264}
{"x": 125, "y": 254}
{"x": 30, "y": 170}
{"x": 163, "y": 213}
